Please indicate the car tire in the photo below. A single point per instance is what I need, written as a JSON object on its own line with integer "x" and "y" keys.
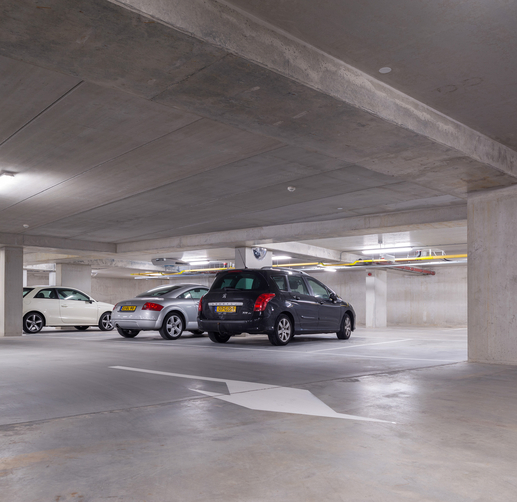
{"x": 346, "y": 328}
{"x": 218, "y": 337}
{"x": 81, "y": 328}
{"x": 33, "y": 322}
{"x": 128, "y": 333}
{"x": 105, "y": 323}
{"x": 283, "y": 332}
{"x": 172, "y": 326}
{"x": 196, "y": 331}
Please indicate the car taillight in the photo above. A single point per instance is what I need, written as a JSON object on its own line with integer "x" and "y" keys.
{"x": 152, "y": 306}
{"x": 200, "y": 306}
{"x": 262, "y": 301}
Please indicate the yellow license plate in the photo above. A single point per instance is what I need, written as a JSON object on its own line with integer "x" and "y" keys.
{"x": 226, "y": 308}
{"x": 128, "y": 308}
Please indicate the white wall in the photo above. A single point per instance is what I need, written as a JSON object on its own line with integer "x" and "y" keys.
{"x": 433, "y": 300}
{"x": 349, "y": 285}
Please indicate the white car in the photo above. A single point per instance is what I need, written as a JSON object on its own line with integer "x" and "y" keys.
{"x": 61, "y": 306}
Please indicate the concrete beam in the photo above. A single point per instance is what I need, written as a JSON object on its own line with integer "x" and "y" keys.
{"x": 7, "y": 239}
{"x": 242, "y": 34}
{"x": 318, "y": 252}
{"x": 358, "y": 225}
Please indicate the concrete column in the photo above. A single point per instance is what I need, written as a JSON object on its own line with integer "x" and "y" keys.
{"x": 376, "y": 299}
{"x": 74, "y": 276}
{"x": 52, "y": 280}
{"x": 248, "y": 258}
{"x": 25, "y": 278}
{"x": 492, "y": 276}
{"x": 11, "y": 291}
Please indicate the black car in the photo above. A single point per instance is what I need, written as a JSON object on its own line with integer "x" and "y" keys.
{"x": 278, "y": 302}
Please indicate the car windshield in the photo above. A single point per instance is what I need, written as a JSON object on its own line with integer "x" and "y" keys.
{"x": 240, "y": 280}
{"x": 161, "y": 291}
{"x": 26, "y": 291}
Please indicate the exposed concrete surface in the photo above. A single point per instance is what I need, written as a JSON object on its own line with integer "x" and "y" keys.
{"x": 492, "y": 280}
{"x": 75, "y": 276}
{"x": 358, "y": 225}
{"x": 135, "y": 111}
{"x": 376, "y": 299}
{"x": 240, "y": 34}
{"x": 11, "y": 285}
{"x": 74, "y": 429}
{"x": 432, "y": 300}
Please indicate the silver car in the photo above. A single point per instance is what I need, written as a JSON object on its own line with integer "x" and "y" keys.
{"x": 168, "y": 309}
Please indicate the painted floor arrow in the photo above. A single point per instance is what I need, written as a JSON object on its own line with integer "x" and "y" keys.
{"x": 264, "y": 397}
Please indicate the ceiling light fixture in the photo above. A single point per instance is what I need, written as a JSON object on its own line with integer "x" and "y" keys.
{"x": 281, "y": 257}
{"x": 10, "y": 174}
{"x": 291, "y": 189}
{"x": 199, "y": 262}
{"x": 385, "y": 69}
{"x": 387, "y": 250}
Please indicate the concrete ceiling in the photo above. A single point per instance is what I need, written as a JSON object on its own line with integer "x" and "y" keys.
{"x": 137, "y": 130}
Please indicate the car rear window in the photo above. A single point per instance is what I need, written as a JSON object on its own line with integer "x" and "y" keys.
{"x": 161, "y": 291}
{"x": 26, "y": 291}
{"x": 241, "y": 281}
{"x": 281, "y": 282}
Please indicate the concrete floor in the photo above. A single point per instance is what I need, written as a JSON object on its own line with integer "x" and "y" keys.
{"x": 72, "y": 428}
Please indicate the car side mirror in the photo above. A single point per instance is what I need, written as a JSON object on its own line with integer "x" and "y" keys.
{"x": 333, "y": 297}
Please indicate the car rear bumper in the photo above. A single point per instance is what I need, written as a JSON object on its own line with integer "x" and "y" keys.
{"x": 136, "y": 323}
{"x": 253, "y": 326}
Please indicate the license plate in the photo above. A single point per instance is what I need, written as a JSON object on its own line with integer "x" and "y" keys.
{"x": 128, "y": 308}
{"x": 226, "y": 308}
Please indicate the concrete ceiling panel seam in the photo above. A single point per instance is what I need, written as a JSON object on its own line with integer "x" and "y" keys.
{"x": 242, "y": 34}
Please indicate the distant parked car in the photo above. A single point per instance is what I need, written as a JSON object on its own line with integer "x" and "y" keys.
{"x": 278, "y": 302}
{"x": 169, "y": 309}
{"x": 62, "y": 306}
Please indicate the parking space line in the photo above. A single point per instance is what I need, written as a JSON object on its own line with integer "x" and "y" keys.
{"x": 363, "y": 345}
{"x": 399, "y": 358}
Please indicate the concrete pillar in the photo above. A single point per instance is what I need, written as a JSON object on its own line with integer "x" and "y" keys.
{"x": 25, "y": 278}
{"x": 11, "y": 291}
{"x": 376, "y": 299}
{"x": 252, "y": 258}
{"x": 52, "y": 280}
{"x": 74, "y": 276}
{"x": 492, "y": 276}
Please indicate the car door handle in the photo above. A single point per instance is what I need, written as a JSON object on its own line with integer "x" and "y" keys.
{"x": 296, "y": 297}
{"x": 64, "y": 305}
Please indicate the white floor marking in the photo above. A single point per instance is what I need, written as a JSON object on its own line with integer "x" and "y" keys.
{"x": 367, "y": 356}
{"x": 362, "y": 345}
{"x": 264, "y": 397}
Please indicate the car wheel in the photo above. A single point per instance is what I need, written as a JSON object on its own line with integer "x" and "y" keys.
{"x": 196, "y": 331}
{"x": 172, "y": 326}
{"x": 128, "y": 333}
{"x": 33, "y": 322}
{"x": 283, "y": 332}
{"x": 346, "y": 328}
{"x": 81, "y": 328}
{"x": 218, "y": 337}
{"x": 105, "y": 323}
